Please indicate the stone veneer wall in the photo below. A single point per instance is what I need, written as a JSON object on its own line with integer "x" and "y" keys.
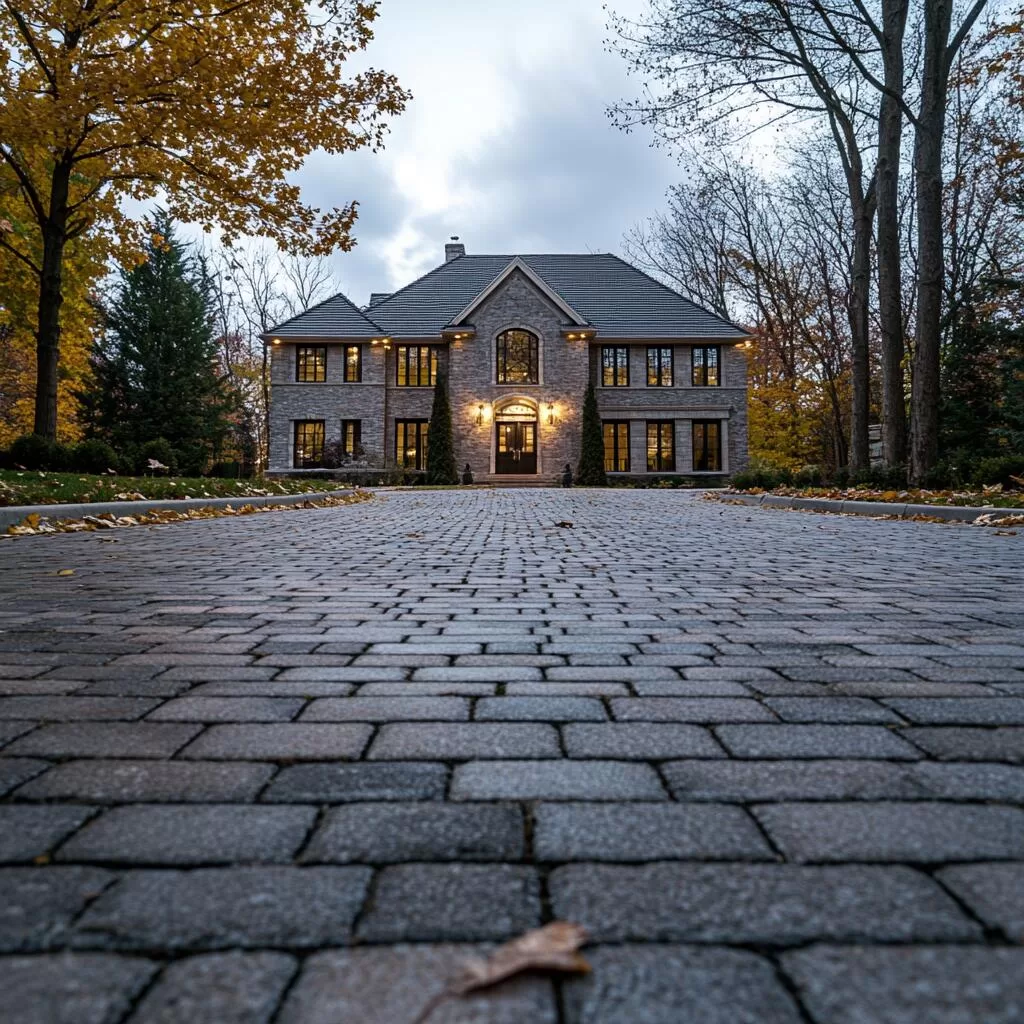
{"x": 470, "y": 364}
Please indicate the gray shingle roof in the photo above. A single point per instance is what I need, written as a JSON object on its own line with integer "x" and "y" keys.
{"x": 615, "y": 297}
{"x": 335, "y": 317}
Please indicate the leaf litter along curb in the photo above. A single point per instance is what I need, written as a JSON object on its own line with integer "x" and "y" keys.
{"x": 555, "y": 947}
{"x": 34, "y": 525}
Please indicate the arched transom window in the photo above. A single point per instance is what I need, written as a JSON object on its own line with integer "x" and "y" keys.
{"x": 517, "y": 357}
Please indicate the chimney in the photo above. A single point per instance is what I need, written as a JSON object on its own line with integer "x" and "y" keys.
{"x": 454, "y": 249}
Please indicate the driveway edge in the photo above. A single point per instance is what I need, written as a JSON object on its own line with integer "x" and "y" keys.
{"x": 905, "y": 510}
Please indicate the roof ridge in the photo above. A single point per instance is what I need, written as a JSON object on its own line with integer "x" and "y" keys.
{"x": 323, "y": 302}
{"x": 678, "y": 295}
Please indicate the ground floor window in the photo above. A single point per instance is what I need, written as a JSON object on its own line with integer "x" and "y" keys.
{"x": 616, "y": 446}
{"x": 309, "y": 444}
{"x": 707, "y": 446}
{"x": 661, "y": 446}
{"x": 351, "y": 437}
{"x": 411, "y": 444}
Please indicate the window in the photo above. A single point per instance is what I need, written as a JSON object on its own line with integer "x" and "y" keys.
{"x": 616, "y": 446}
{"x": 706, "y": 360}
{"x": 615, "y": 366}
{"x": 411, "y": 444}
{"x": 311, "y": 364}
{"x": 707, "y": 446}
{"x": 659, "y": 367}
{"x": 353, "y": 364}
{"x": 309, "y": 444}
{"x": 417, "y": 366}
{"x": 351, "y": 435}
{"x": 661, "y": 446}
{"x": 517, "y": 361}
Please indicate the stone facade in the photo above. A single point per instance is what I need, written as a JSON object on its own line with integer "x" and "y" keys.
{"x": 478, "y": 401}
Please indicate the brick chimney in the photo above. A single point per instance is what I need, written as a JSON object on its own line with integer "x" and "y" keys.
{"x": 454, "y": 249}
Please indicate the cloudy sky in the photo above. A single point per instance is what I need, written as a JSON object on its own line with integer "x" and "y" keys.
{"x": 506, "y": 142}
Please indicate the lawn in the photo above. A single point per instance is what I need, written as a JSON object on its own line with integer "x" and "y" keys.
{"x": 26, "y": 487}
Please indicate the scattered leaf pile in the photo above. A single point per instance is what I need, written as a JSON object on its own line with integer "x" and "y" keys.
{"x": 555, "y": 947}
{"x": 996, "y": 495}
{"x": 34, "y": 525}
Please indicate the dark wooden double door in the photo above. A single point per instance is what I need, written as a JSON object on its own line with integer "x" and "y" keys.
{"x": 516, "y": 450}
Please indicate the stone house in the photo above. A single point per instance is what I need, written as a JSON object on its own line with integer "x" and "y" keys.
{"x": 518, "y": 338}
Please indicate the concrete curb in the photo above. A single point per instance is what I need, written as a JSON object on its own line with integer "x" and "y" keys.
{"x": 954, "y": 513}
{"x": 16, "y": 513}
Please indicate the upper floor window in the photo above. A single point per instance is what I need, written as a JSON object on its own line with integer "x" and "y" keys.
{"x": 707, "y": 446}
{"x": 615, "y": 366}
{"x": 706, "y": 361}
{"x": 353, "y": 364}
{"x": 309, "y": 444}
{"x": 616, "y": 446}
{"x": 417, "y": 366}
{"x": 659, "y": 367}
{"x": 517, "y": 357}
{"x": 311, "y": 364}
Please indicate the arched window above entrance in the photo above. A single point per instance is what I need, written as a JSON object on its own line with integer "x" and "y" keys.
{"x": 517, "y": 358}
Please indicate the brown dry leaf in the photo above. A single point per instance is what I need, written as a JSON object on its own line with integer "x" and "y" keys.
{"x": 555, "y": 947}
{"x": 564, "y": 523}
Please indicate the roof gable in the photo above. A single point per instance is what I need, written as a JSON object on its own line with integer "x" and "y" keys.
{"x": 336, "y": 317}
{"x": 534, "y": 278}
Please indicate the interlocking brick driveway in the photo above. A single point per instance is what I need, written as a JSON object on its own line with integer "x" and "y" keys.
{"x": 292, "y": 767}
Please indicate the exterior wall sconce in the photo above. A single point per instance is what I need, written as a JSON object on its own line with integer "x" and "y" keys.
{"x": 480, "y": 415}
{"x": 551, "y": 414}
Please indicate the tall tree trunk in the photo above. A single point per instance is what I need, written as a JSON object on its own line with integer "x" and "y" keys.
{"x": 928, "y": 177}
{"x": 890, "y": 299}
{"x": 860, "y": 290}
{"x": 51, "y": 297}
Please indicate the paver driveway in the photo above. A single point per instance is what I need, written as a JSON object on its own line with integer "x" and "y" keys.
{"x": 292, "y": 767}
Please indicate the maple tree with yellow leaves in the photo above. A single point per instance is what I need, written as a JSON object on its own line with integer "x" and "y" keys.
{"x": 210, "y": 105}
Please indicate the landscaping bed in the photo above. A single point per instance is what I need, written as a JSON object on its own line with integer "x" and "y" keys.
{"x": 29, "y": 487}
{"x": 994, "y": 497}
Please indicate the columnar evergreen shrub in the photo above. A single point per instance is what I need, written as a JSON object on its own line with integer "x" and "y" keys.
{"x": 591, "y": 466}
{"x": 441, "y": 444}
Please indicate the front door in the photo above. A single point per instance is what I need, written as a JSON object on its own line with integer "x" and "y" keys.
{"x": 516, "y": 448}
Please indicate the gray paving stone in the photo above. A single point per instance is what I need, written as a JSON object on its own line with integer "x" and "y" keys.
{"x": 286, "y": 741}
{"x": 555, "y": 780}
{"x": 344, "y": 783}
{"x": 390, "y": 833}
{"x": 106, "y": 739}
{"x": 460, "y": 902}
{"x": 830, "y": 709}
{"x": 709, "y": 710}
{"x": 71, "y": 988}
{"x": 224, "y": 908}
{"x": 124, "y": 782}
{"x": 271, "y": 689}
{"x": 893, "y": 985}
{"x": 190, "y": 834}
{"x": 961, "y": 710}
{"x": 396, "y": 984}
{"x": 387, "y": 709}
{"x": 37, "y": 904}
{"x": 690, "y": 688}
{"x": 645, "y": 832}
{"x": 916, "y": 689}
{"x": 484, "y": 674}
{"x": 540, "y": 709}
{"x": 16, "y": 770}
{"x": 218, "y": 988}
{"x": 843, "y": 741}
{"x": 428, "y": 689}
{"x": 753, "y": 903}
{"x": 463, "y": 741}
{"x": 567, "y": 690}
{"x": 228, "y": 709}
{"x": 954, "y": 743}
{"x": 914, "y": 833}
{"x": 994, "y": 892}
{"x": 75, "y": 709}
{"x": 637, "y": 741}
{"x": 29, "y": 832}
{"x": 671, "y": 984}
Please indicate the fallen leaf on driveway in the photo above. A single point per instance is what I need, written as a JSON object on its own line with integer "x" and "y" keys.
{"x": 66, "y": 572}
{"x": 555, "y": 947}
{"x": 564, "y": 522}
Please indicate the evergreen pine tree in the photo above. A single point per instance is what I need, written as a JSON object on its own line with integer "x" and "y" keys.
{"x": 591, "y": 468}
{"x": 441, "y": 451}
{"x": 154, "y": 368}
